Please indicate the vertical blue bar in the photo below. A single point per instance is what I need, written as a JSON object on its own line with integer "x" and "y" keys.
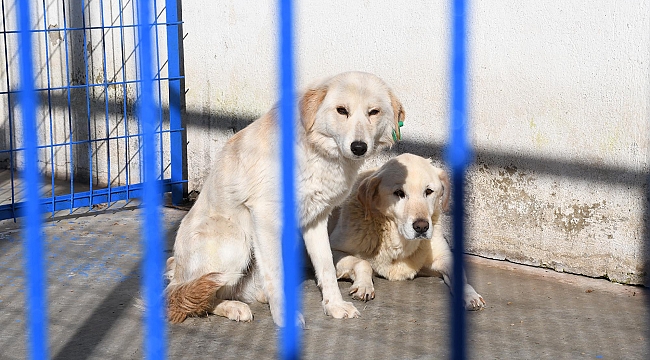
{"x": 458, "y": 155}
{"x": 157, "y": 78}
{"x": 125, "y": 115}
{"x": 175, "y": 123}
{"x": 33, "y": 248}
{"x": 290, "y": 347}
{"x": 49, "y": 101}
{"x": 9, "y": 117}
{"x": 69, "y": 105}
{"x": 155, "y": 329}
{"x": 87, "y": 83}
{"x": 105, "y": 81}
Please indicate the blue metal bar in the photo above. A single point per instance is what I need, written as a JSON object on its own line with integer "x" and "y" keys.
{"x": 136, "y": 54}
{"x": 10, "y": 115}
{"x": 87, "y": 141}
{"x": 81, "y": 199}
{"x": 155, "y": 329}
{"x": 291, "y": 258}
{"x": 458, "y": 156}
{"x": 67, "y": 76}
{"x": 49, "y": 98}
{"x": 33, "y": 245}
{"x": 159, "y": 93}
{"x": 155, "y": 23}
{"x": 86, "y": 83}
{"x": 125, "y": 117}
{"x": 105, "y": 85}
{"x": 177, "y": 152}
{"x": 92, "y": 85}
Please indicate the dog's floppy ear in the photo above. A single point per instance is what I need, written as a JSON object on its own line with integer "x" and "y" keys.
{"x": 399, "y": 115}
{"x": 366, "y": 193}
{"x": 446, "y": 189}
{"x": 309, "y": 104}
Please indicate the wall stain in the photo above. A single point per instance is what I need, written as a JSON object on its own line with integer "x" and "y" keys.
{"x": 575, "y": 217}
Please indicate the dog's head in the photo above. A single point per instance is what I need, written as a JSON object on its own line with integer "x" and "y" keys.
{"x": 351, "y": 115}
{"x": 409, "y": 191}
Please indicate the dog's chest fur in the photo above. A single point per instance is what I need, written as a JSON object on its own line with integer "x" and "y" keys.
{"x": 323, "y": 184}
{"x": 396, "y": 258}
{"x": 377, "y": 240}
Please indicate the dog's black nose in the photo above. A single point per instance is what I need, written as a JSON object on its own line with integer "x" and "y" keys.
{"x": 420, "y": 226}
{"x": 358, "y": 148}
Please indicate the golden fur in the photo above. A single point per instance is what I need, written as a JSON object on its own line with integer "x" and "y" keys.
{"x": 391, "y": 226}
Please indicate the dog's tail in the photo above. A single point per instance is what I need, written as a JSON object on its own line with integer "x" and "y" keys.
{"x": 193, "y": 298}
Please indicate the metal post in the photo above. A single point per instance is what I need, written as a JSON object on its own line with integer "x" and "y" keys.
{"x": 291, "y": 260}
{"x": 458, "y": 154}
{"x": 176, "y": 89}
{"x": 33, "y": 245}
{"x": 155, "y": 329}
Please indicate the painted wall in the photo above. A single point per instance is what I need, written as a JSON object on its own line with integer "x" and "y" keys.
{"x": 560, "y": 109}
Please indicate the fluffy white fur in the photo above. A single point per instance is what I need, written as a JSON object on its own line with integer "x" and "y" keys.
{"x": 391, "y": 226}
{"x": 227, "y": 251}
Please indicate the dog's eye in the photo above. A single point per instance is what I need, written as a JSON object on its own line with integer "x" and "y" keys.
{"x": 341, "y": 110}
{"x": 400, "y": 194}
{"x": 373, "y": 112}
{"x": 428, "y": 192}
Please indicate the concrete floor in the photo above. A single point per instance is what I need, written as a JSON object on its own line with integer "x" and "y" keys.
{"x": 93, "y": 262}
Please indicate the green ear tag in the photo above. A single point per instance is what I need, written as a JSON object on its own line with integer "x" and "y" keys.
{"x": 398, "y": 135}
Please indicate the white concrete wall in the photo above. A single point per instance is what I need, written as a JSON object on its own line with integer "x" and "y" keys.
{"x": 559, "y": 99}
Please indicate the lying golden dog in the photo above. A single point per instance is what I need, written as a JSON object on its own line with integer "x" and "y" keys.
{"x": 391, "y": 226}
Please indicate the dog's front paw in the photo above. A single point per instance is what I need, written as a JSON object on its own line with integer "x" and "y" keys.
{"x": 473, "y": 301}
{"x": 340, "y": 309}
{"x": 362, "y": 291}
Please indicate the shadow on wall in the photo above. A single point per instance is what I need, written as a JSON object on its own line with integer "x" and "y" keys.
{"x": 222, "y": 125}
{"x": 605, "y": 178}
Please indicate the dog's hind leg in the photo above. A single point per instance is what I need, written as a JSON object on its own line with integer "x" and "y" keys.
{"x": 233, "y": 310}
{"x": 211, "y": 252}
{"x": 268, "y": 257}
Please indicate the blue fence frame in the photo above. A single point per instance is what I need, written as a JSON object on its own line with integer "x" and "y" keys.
{"x": 457, "y": 155}
{"x": 150, "y": 136}
{"x": 113, "y": 187}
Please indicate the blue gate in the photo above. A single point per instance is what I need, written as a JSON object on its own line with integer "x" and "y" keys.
{"x": 87, "y": 86}
{"x": 84, "y": 92}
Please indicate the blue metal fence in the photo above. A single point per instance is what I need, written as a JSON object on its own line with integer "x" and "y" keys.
{"x": 149, "y": 80}
{"x": 89, "y": 143}
{"x": 148, "y": 148}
